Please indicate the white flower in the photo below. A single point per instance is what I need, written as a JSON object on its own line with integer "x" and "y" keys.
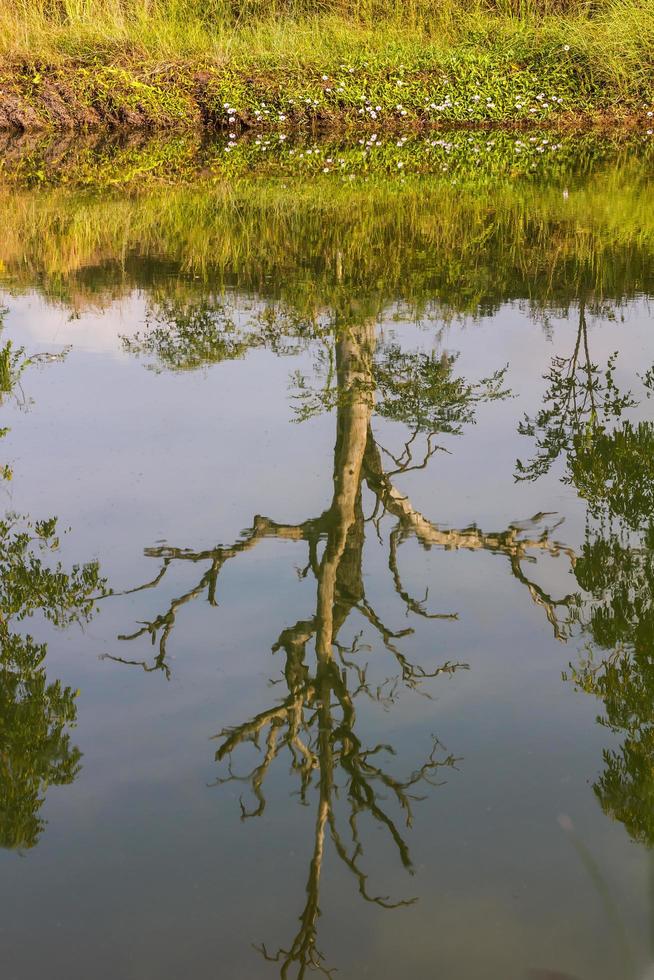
{"x": 325, "y": 78}
{"x": 566, "y": 47}
{"x": 399, "y": 164}
{"x": 650, "y": 114}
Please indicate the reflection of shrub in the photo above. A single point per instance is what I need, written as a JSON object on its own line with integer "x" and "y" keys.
{"x": 36, "y": 749}
{"x": 190, "y": 338}
{"x": 422, "y": 391}
{"x": 615, "y": 470}
{"x": 35, "y": 715}
{"x": 626, "y": 787}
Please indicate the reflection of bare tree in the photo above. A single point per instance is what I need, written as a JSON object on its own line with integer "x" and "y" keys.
{"x": 315, "y": 721}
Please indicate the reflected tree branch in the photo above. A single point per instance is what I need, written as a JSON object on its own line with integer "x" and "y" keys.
{"x": 315, "y": 722}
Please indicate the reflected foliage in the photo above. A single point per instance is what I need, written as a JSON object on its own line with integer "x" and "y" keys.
{"x": 422, "y": 391}
{"x": 614, "y": 472}
{"x": 580, "y": 401}
{"x": 35, "y": 743}
{"x": 183, "y": 338}
{"x": 609, "y": 459}
{"x": 35, "y": 715}
{"x": 618, "y": 624}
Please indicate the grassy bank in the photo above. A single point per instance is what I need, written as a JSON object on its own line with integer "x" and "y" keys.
{"x": 267, "y": 64}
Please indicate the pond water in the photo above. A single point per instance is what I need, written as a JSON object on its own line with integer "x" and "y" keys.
{"x": 340, "y": 654}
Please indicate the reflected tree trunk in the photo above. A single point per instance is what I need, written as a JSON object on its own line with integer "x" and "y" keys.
{"x": 315, "y": 720}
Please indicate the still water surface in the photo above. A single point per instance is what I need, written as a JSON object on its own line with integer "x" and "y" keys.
{"x": 348, "y": 663}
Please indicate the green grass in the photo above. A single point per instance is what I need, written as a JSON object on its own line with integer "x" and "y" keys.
{"x": 282, "y": 63}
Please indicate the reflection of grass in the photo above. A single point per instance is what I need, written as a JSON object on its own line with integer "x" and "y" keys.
{"x": 327, "y": 59}
{"x": 585, "y": 225}
{"x": 461, "y": 156}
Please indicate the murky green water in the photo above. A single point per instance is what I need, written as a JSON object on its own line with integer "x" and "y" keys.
{"x": 340, "y": 654}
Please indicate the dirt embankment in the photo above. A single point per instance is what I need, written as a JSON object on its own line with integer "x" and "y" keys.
{"x": 79, "y": 97}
